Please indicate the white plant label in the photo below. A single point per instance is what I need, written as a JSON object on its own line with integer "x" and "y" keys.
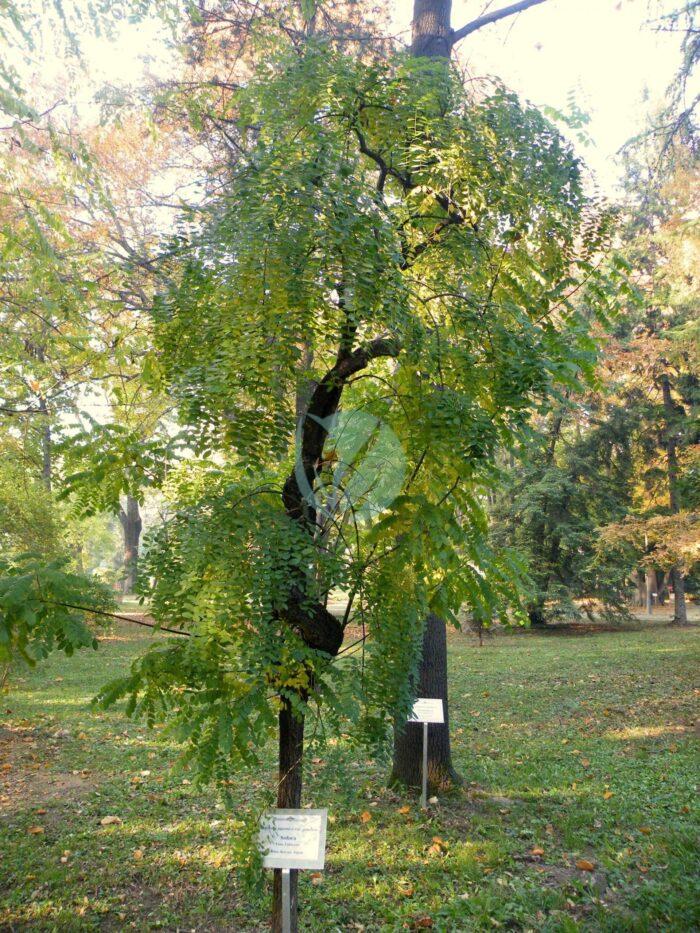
{"x": 293, "y": 838}
{"x": 427, "y": 710}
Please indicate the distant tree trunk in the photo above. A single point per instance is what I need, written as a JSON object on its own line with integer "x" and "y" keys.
{"x": 535, "y": 613}
{"x": 131, "y": 523}
{"x": 671, "y": 413}
{"x": 640, "y": 583}
{"x": 291, "y": 752}
{"x": 408, "y": 737}
{"x": 651, "y": 584}
{"x": 680, "y": 611}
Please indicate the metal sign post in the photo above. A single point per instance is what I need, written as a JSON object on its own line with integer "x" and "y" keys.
{"x": 425, "y": 710}
{"x": 286, "y": 901}
{"x": 424, "y": 795}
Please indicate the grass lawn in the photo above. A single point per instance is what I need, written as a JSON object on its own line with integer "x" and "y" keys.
{"x": 572, "y": 748}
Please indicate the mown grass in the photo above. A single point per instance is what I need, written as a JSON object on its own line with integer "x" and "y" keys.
{"x": 572, "y": 748}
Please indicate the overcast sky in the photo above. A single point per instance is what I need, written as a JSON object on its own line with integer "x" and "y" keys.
{"x": 602, "y": 50}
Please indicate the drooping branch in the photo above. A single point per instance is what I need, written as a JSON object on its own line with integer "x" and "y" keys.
{"x": 492, "y": 17}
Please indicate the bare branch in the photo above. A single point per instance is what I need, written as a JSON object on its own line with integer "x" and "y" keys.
{"x": 493, "y": 17}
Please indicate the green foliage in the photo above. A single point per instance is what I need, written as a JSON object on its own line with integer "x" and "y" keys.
{"x": 376, "y": 217}
{"x": 112, "y": 460}
{"x": 45, "y": 608}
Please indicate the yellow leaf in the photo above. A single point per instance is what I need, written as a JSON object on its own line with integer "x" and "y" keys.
{"x": 110, "y": 821}
{"x": 608, "y": 794}
{"x": 645, "y": 829}
{"x": 365, "y": 816}
{"x": 35, "y": 830}
{"x": 405, "y": 809}
{"x": 584, "y": 865}
{"x": 138, "y": 854}
{"x": 537, "y": 850}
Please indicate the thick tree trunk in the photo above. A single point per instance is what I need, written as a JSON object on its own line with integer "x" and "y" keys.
{"x": 432, "y": 32}
{"x": 291, "y": 751}
{"x": 640, "y": 584}
{"x": 131, "y": 527}
{"x": 408, "y": 737}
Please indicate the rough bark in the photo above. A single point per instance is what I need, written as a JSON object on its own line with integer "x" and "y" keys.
{"x": 408, "y": 737}
{"x": 131, "y": 523}
{"x": 291, "y": 754}
{"x": 432, "y": 32}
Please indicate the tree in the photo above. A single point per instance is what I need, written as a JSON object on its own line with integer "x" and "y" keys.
{"x": 434, "y": 38}
{"x": 334, "y": 259}
{"x": 654, "y": 362}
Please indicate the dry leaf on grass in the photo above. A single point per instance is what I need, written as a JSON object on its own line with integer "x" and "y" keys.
{"x": 584, "y": 865}
{"x": 365, "y": 816}
{"x": 35, "y": 830}
{"x": 110, "y": 821}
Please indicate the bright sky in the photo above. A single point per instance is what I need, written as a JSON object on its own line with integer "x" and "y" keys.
{"x": 601, "y": 50}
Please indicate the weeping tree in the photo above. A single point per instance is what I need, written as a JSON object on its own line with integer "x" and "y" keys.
{"x": 369, "y": 308}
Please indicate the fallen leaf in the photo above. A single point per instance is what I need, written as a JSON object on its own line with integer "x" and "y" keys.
{"x": 584, "y": 865}
{"x": 608, "y": 794}
{"x": 316, "y": 878}
{"x": 35, "y": 830}
{"x": 537, "y": 850}
{"x": 138, "y": 854}
{"x": 110, "y": 821}
{"x": 365, "y": 816}
{"x": 406, "y": 809}
{"x": 41, "y": 812}
{"x": 423, "y": 923}
{"x": 432, "y": 800}
{"x": 405, "y": 888}
{"x": 585, "y": 762}
{"x": 645, "y": 829}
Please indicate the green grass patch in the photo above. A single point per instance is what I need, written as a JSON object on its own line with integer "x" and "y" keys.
{"x": 572, "y": 748}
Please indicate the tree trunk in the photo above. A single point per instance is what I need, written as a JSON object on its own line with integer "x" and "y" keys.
{"x": 680, "y": 611}
{"x": 640, "y": 584}
{"x": 432, "y": 32}
{"x": 650, "y": 585}
{"x": 131, "y": 527}
{"x": 535, "y": 613}
{"x": 291, "y": 751}
{"x": 408, "y": 737}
